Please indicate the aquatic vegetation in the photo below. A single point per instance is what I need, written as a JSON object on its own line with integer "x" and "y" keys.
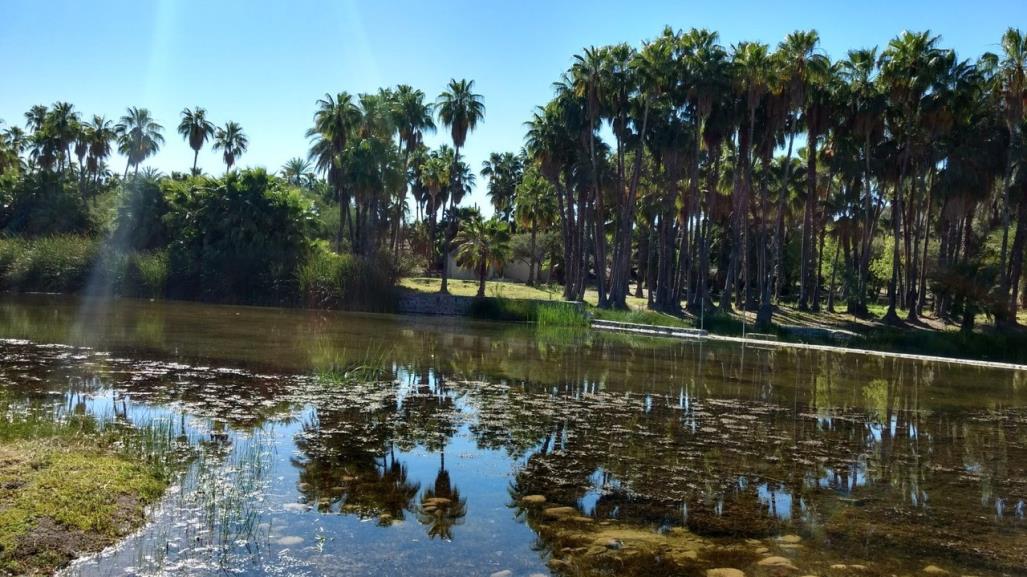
{"x": 489, "y": 449}
{"x": 560, "y": 314}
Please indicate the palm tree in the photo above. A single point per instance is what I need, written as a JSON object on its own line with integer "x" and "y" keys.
{"x": 139, "y": 137}
{"x": 10, "y": 159}
{"x": 482, "y": 244}
{"x": 35, "y": 118}
{"x": 232, "y": 142}
{"x": 864, "y": 119}
{"x": 535, "y": 204}
{"x": 907, "y": 68}
{"x": 460, "y": 110}
{"x": 1013, "y": 85}
{"x": 196, "y": 130}
{"x": 504, "y": 171}
{"x": 296, "y": 171}
{"x": 100, "y": 133}
{"x": 412, "y": 117}
{"x": 334, "y": 120}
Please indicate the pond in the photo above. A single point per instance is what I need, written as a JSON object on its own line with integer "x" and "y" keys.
{"x": 346, "y": 444}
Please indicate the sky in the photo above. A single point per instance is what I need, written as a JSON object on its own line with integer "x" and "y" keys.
{"x": 265, "y": 63}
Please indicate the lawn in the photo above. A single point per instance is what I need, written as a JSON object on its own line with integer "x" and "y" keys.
{"x": 505, "y": 289}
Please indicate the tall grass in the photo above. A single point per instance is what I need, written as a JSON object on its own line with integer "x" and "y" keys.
{"x": 559, "y": 314}
{"x": 346, "y": 282}
{"x": 372, "y": 366}
{"x": 47, "y": 264}
{"x": 67, "y": 264}
{"x": 150, "y": 272}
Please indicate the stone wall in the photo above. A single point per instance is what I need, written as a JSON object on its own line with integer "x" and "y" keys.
{"x": 418, "y": 303}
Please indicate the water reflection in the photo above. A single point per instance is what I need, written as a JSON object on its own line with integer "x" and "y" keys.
{"x": 650, "y": 459}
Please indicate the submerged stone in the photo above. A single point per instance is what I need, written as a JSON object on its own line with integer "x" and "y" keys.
{"x": 779, "y": 564}
{"x": 533, "y": 499}
{"x": 724, "y": 572}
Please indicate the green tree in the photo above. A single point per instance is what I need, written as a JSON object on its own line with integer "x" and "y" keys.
{"x": 139, "y": 137}
{"x": 232, "y": 142}
{"x": 196, "y": 129}
{"x": 482, "y": 244}
{"x": 460, "y": 109}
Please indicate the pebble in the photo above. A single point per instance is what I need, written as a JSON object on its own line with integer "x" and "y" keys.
{"x": 792, "y": 539}
{"x": 533, "y": 499}
{"x": 503, "y": 573}
{"x": 560, "y": 512}
{"x": 777, "y": 563}
{"x": 934, "y": 570}
{"x": 289, "y": 541}
{"x": 724, "y": 572}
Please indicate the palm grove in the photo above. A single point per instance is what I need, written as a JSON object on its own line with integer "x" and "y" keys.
{"x": 697, "y": 175}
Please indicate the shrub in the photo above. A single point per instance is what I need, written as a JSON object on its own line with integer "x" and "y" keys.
{"x": 347, "y": 282}
{"x": 48, "y": 264}
{"x": 149, "y": 273}
{"x": 241, "y": 238}
{"x": 559, "y": 314}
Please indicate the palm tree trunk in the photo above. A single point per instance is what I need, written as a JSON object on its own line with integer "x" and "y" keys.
{"x": 622, "y": 268}
{"x": 196, "y": 157}
{"x": 779, "y": 238}
{"x": 834, "y": 273}
{"x": 807, "y": 218}
{"x": 531, "y": 260}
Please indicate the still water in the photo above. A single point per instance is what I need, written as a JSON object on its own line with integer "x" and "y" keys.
{"x": 480, "y": 449}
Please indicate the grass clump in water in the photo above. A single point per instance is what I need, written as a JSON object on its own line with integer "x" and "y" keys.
{"x": 372, "y": 366}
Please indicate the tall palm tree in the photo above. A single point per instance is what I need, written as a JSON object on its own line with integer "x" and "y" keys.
{"x": 863, "y": 117}
{"x": 482, "y": 244}
{"x": 504, "y": 171}
{"x": 232, "y": 142}
{"x": 535, "y": 209}
{"x": 908, "y": 66}
{"x": 336, "y": 117}
{"x": 196, "y": 130}
{"x": 1013, "y": 86}
{"x": 35, "y": 118}
{"x": 100, "y": 134}
{"x": 412, "y": 117}
{"x": 753, "y": 71}
{"x": 460, "y": 110}
{"x": 139, "y": 137}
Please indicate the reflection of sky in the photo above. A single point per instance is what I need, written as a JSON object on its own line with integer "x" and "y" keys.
{"x": 778, "y": 501}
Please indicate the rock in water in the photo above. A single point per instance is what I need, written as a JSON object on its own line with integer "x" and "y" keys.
{"x": 724, "y": 572}
{"x": 778, "y": 564}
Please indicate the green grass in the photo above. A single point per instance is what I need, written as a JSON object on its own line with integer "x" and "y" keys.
{"x": 642, "y": 317}
{"x": 73, "y": 483}
{"x": 370, "y": 367}
{"x": 560, "y": 315}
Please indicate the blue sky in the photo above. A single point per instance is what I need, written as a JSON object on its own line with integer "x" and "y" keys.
{"x": 264, "y": 64}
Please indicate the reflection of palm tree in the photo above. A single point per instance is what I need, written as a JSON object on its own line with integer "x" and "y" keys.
{"x": 348, "y": 463}
{"x": 442, "y": 507}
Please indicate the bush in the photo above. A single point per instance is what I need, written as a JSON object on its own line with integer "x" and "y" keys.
{"x": 347, "y": 282}
{"x": 43, "y": 204}
{"x": 240, "y": 239}
{"x": 148, "y": 273}
{"x": 48, "y": 264}
{"x": 141, "y": 211}
{"x": 560, "y": 314}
